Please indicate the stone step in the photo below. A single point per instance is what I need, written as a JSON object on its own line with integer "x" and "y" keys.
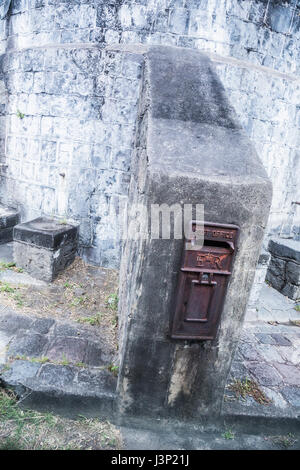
{"x": 56, "y": 362}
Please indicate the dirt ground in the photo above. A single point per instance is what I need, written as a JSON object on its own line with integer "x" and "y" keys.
{"x": 82, "y": 293}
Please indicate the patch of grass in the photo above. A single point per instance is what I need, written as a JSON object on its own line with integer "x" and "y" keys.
{"x": 5, "y": 368}
{"x": 248, "y": 387}
{"x": 7, "y": 265}
{"x": 11, "y": 266}
{"x": 19, "y": 299}
{"x": 10, "y": 411}
{"x": 5, "y": 287}
{"x": 67, "y": 284}
{"x": 64, "y": 361}
{"x": 112, "y": 301}
{"x": 11, "y": 443}
{"x": 19, "y": 357}
{"x": 297, "y": 308}
{"x": 114, "y": 321}
{"x": 228, "y": 434}
{"x": 285, "y": 441}
{"x": 30, "y": 430}
{"x": 77, "y": 301}
{"x": 41, "y": 360}
{"x": 93, "y": 320}
{"x": 80, "y": 364}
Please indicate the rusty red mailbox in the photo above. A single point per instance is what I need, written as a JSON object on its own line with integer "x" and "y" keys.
{"x": 203, "y": 281}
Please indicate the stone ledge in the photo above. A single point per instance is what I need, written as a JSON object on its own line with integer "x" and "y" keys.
{"x": 65, "y": 389}
{"x": 46, "y": 361}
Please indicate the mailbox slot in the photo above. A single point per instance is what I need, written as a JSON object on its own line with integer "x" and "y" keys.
{"x": 203, "y": 280}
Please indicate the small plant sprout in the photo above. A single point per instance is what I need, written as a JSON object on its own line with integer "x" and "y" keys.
{"x": 80, "y": 364}
{"x": 112, "y": 301}
{"x": 7, "y": 265}
{"x": 93, "y": 320}
{"x": 77, "y": 301}
{"x": 20, "y": 115}
{"x": 19, "y": 300}
{"x": 41, "y": 360}
{"x": 228, "y": 434}
{"x": 114, "y": 321}
{"x": 114, "y": 369}
{"x": 64, "y": 361}
{"x": 11, "y": 266}
{"x": 285, "y": 441}
{"x": 63, "y": 222}
{"x": 5, "y": 287}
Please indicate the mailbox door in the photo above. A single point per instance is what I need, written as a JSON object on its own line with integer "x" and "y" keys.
{"x": 202, "y": 286}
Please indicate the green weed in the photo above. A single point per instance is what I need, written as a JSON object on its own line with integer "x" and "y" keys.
{"x": 5, "y": 287}
{"x": 228, "y": 434}
{"x": 20, "y": 115}
{"x": 93, "y": 320}
{"x": 112, "y": 301}
{"x": 114, "y": 369}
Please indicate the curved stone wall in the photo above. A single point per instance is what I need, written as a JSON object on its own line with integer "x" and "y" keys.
{"x": 68, "y": 102}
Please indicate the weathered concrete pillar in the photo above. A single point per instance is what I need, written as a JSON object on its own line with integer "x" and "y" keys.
{"x": 190, "y": 149}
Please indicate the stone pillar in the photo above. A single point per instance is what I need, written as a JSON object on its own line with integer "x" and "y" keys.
{"x": 190, "y": 149}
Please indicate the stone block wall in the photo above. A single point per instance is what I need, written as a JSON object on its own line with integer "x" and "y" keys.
{"x": 267, "y": 107}
{"x": 78, "y": 99}
{"x": 284, "y": 268}
{"x": 70, "y": 126}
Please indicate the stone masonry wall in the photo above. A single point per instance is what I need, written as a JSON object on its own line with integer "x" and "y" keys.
{"x": 79, "y": 99}
{"x": 69, "y": 154}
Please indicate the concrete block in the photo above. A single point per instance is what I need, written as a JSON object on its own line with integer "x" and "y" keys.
{"x": 43, "y": 247}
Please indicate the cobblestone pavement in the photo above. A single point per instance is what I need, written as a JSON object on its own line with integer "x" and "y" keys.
{"x": 269, "y": 354}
